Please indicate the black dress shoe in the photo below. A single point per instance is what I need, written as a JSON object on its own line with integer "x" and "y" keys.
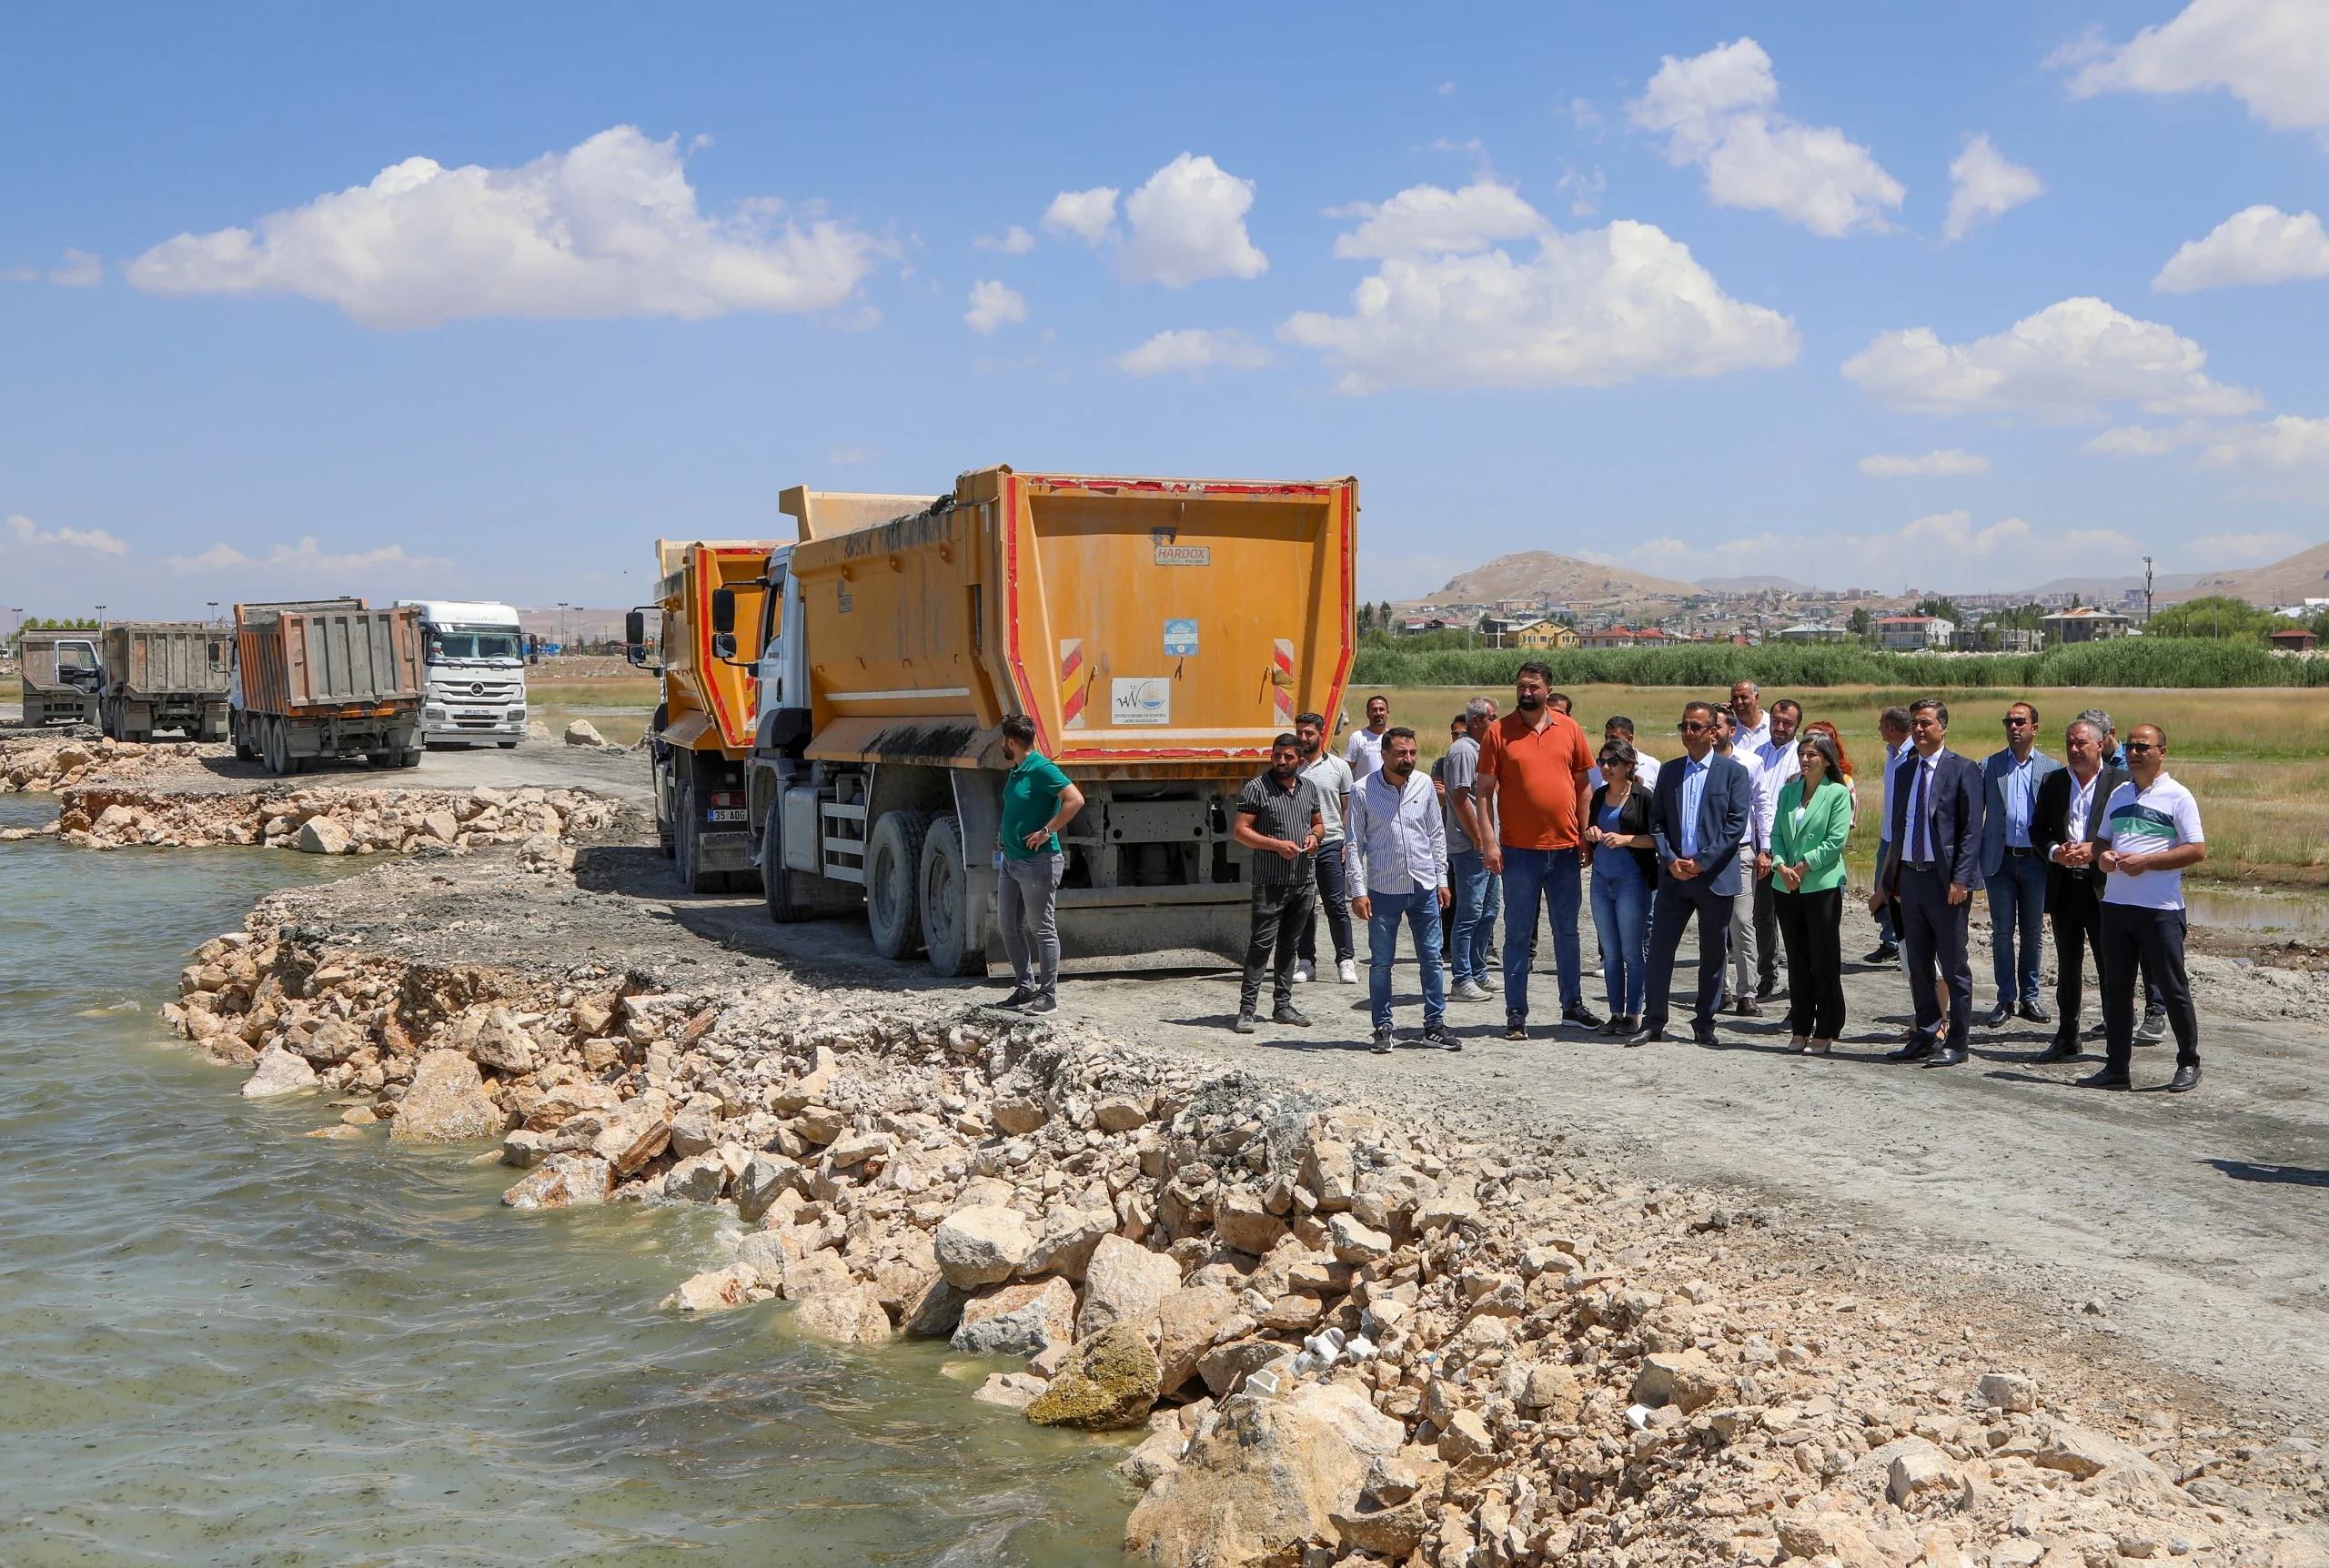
{"x": 1703, "y": 1034}
{"x": 1997, "y": 1017}
{"x": 1917, "y": 1049}
{"x": 1770, "y": 984}
{"x": 2060, "y": 1049}
{"x": 1947, "y": 1056}
{"x": 1653, "y": 1032}
{"x": 2186, "y": 1079}
{"x": 1885, "y": 953}
{"x": 2106, "y": 1079}
{"x": 2035, "y": 1012}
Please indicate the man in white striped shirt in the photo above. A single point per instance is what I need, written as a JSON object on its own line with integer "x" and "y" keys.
{"x": 1398, "y": 846}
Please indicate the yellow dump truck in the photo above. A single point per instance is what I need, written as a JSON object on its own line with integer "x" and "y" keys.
{"x": 702, "y": 730}
{"x": 1158, "y": 633}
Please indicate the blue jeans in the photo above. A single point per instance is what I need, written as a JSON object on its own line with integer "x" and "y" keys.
{"x": 1549, "y": 878}
{"x": 1420, "y": 908}
{"x": 1621, "y": 921}
{"x": 2017, "y": 905}
{"x": 1467, "y": 939}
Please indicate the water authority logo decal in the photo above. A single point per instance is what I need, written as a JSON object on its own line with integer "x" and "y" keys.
{"x": 1142, "y": 700}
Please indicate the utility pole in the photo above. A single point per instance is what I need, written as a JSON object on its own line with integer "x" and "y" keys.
{"x": 2146, "y": 589}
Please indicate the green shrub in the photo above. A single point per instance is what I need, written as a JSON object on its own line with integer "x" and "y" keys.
{"x": 2145, "y": 661}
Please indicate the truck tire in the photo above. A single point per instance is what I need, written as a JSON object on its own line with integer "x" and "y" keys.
{"x": 410, "y": 758}
{"x": 776, "y": 880}
{"x": 380, "y": 762}
{"x": 953, "y": 933}
{"x": 893, "y": 881}
{"x": 244, "y": 750}
{"x": 693, "y": 876}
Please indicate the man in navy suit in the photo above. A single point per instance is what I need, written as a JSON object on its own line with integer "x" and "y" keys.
{"x": 1936, "y": 855}
{"x": 1698, "y": 816}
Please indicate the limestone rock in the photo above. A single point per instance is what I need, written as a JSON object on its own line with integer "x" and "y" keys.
{"x": 1188, "y": 1320}
{"x": 1685, "y": 1379}
{"x": 852, "y": 1148}
{"x": 2007, "y": 1391}
{"x": 1225, "y": 1367}
{"x": 321, "y": 835}
{"x": 331, "y": 1042}
{"x": 715, "y": 1292}
{"x": 694, "y": 1131}
{"x": 1124, "y": 1283}
{"x": 697, "y": 1180}
{"x": 812, "y": 1086}
{"x": 1921, "y": 1474}
{"x": 2080, "y": 1454}
{"x": 1466, "y": 1437}
{"x": 814, "y": 1274}
{"x": 635, "y": 1133}
{"x": 848, "y": 1317}
{"x": 1011, "y": 1390}
{"x": 524, "y": 1148}
{"x": 935, "y": 1313}
{"x": 446, "y": 1103}
{"x": 1241, "y": 1220}
{"x": 1357, "y": 1244}
{"x": 1017, "y": 1319}
{"x": 1551, "y": 1388}
{"x": 1068, "y": 1238}
{"x": 1392, "y": 1532}
{"x": 1159, "y": 1454}
{"x": 983, "y": 1246}
{"x": 1109, "y": 1384}
{"x": 1330, "y": 1172}
{"x": 563, "y": 1182}
{"x": 581, "y": 732}
{"x": 1019, "y": 1116}
{"x": 496, "y": 1041}
{"x": 1117, "y": 1114}
{"x": 279, "y": 1072}
{"x": 763, "y": 1177}
{"x": 1268, "y": 1475}
{"x": 1834, "y": 1535}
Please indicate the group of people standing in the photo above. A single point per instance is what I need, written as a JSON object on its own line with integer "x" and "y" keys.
{"x": 1743, "y": 834}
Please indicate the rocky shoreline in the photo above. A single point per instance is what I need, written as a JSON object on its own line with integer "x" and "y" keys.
{"x": 1348, "y": 1335}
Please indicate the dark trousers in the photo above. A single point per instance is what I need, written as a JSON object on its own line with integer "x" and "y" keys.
{"x": 2139, "y": 942}
{"x": 1769, "y": 934}
{"x": 1812, "y": 925}
{"x": 1280, "y": 909}
{"x": 1677, "y": 903}
{"x": 1933, "y": 933}
{"x": 1334, "y": 899}
{"x": 2077, "y": 916}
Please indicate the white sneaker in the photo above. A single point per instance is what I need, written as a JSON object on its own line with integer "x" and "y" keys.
{"x": 1305, "y": 973}
{"x": 1472, "y": 990}
{"x": 1350, "y": 971}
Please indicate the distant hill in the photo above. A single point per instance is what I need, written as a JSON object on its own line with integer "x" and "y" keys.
{"x": 1754, "y": 585}
{"x": 1560, "y": 580}
{"x": 2300, "y": 577}
{"x": 2109, "y": 590}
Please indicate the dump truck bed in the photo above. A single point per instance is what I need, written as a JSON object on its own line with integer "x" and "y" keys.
{"x": 327, "y": 656}
{"x": 154, "y": 659}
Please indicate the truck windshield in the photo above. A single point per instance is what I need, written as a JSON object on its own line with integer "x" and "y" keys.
{"x": 76, "y": 655}
{"x": 469, "y": 642}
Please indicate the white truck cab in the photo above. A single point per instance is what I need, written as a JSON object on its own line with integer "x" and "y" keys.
{"x": 474, "y": 656}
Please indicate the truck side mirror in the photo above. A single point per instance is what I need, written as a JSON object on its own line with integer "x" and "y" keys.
{"x": 634, "y": 637}
{"x": 723, "y": 611}
{"x": 723, "y": 645}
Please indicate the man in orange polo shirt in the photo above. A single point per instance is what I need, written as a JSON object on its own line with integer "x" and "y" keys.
{"x": 1532, "y": 788}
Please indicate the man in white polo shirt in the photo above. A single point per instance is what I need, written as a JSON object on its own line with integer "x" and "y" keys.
{"x": 2151, "y": 832}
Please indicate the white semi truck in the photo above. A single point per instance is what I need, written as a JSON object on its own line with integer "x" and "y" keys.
{"x": 474, "y": 659}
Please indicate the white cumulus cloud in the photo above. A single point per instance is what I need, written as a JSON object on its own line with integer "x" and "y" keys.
{"x": 1944, "y": 550}
{"x": 82, "y": 269}
{"x": 1939, "y": 462}
{"x": 608, "y": 228}
{"x": 2287, "y": 441}
{"x": 2271, "y": 55}
{"x": 22, "y": 530}
{"x": 1193, "y": 350}
{"x": 992, "y": 303}
{"x": 309, "y": 559}
{"x": 1188, "y": 223}
{"x": 1082, "y": 214}
{"x": 1719, "y": 110}
{"x": 1426, "y": 218}
{"x": 1014, "y": 241}
{"x": 1984, "y": 184}
{"x": 2064, "y": 363}
{"x": 2254, "y": 245}
{"x": 1592, "y": 308}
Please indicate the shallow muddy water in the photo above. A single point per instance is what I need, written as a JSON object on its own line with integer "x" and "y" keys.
{"x": 223, "y": 1342}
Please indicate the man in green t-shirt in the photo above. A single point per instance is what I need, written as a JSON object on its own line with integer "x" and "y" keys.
{"x": 1038, "y": 800}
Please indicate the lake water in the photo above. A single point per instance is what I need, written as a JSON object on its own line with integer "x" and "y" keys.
{"x": 223, "y": 1342}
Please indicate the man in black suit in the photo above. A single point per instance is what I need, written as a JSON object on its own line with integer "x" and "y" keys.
{"x": 2065, "y": 825}
{"x": 1936, "y": 860}
{"x": 1697, "y": 815}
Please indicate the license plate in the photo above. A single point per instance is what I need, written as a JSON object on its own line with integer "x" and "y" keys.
{"x": 724, "y": 814}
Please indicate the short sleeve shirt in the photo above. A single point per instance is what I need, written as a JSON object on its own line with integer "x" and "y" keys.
{"x": 1030, "y": 796}
{"x": 1536, "y": 772}
{"x": 1332, "y": 775}
{"x": 1364, "y": 753}
{"x": 1279, "y": 813}
{"x": 2145, "y": 822}
{"x": 1457, "y": 770}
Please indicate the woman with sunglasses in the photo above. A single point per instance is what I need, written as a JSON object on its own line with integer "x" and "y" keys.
{"x": 1808, "y": 835}
{"x": 1624, "y": 858}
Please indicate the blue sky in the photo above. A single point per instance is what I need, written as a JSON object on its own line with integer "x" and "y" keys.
{"x": 1677, "y": 287}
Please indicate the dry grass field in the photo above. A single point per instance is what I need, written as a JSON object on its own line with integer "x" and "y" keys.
{"x": 2257, "y": 758}
{"x": 615, "y": 699}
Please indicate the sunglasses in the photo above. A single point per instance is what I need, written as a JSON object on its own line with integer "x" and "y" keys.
{"x": 2141, "y": 745}
{"x": 2018, "y": 723}
{"x": 1688, "y": 728}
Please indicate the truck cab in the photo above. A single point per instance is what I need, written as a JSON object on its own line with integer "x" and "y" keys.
{"x": 474, "y": 660}
{"x": 63, "y": 674}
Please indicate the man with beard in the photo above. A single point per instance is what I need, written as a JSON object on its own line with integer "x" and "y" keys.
{"x": 1365, "y": 751}
{"x": 1531, "y": 794}
{"x": 1279, "y": 821}
{"x": 1399, "y": 867}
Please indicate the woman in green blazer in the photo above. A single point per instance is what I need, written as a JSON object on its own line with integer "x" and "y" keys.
{"x": 1815, "y": 818}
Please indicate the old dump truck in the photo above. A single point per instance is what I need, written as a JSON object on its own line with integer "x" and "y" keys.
{"x": 701, "y": 733}
{"x": 1158, "y": 632}
{"x": 165, "y": 675}
{"x": 63, "y": 674}
{"x": 323, "y": 679}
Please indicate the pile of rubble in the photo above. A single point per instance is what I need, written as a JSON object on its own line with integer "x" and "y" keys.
{"x": 43, "y": 762}
{"x": 1348, "y": 1337}
{"x": 334, "y": 821}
